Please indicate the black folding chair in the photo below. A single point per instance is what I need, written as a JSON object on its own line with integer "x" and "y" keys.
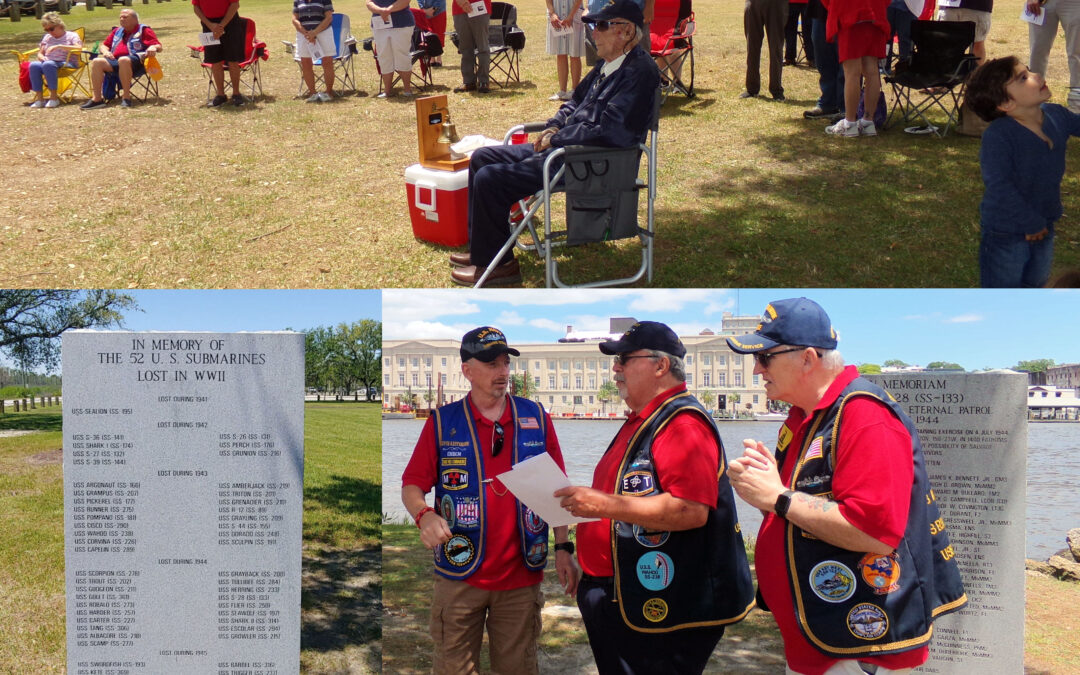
{"x": 935, "y": 76}
{"x": 601, "y": 186}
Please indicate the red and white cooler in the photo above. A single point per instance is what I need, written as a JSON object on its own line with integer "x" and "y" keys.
{"x": 438, "y": 204}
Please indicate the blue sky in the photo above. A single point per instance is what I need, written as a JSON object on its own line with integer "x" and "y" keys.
{"x": 249, "y": 310}
{"x": 977, "y": 328}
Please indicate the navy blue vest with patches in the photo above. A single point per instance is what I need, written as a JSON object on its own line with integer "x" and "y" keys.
{"x": 459, "y": 488}
{"x": 850, "y": 604}
{"x": 666, "y": 581}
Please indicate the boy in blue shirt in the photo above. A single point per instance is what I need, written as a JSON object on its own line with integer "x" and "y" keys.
{"x": 1023, "y": 161}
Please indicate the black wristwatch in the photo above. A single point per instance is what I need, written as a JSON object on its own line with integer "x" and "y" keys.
{"x": 567, "y": 546}
{"x": 783, "y": 503}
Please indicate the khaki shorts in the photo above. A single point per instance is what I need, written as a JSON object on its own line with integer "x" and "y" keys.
{"x": 981, "y": 19}
{"x": 459, "y": 613}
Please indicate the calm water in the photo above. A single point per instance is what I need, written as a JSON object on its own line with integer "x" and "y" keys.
{"x": 1053, "y": 476}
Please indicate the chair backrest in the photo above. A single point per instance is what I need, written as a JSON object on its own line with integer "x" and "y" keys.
{"x": 940, "y": 46}
{"x": 342, "y": 32}
{"x": 249, "y": 38}
{"x": 503, "y": 20}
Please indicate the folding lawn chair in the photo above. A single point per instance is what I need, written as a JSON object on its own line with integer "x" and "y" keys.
{"x": 935, "y": 76}
{"x": 505, "y": 41}
{"x": 250, "y": 73}
{"x": 601, "y": 187}
{"x": 345, "y": 48}
{"x": 672, "y": 46}
{"x": 70, "y": 80}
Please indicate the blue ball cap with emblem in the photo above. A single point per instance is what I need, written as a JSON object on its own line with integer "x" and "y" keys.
{"x": 646, "y": 335}
{"x": 485, "y": 344}
{"x": 617, "y": 9}
{"x": 799, "y": 322}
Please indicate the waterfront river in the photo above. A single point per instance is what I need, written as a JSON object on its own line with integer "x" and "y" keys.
{"x": 1053, "y": 476}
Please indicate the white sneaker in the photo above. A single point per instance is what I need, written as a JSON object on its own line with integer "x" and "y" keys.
{"x": 557, "y": 96}
{"x": 867, "y": 128}
{"x": 314, "y": 98}
{"x": 38, "y": 104}
{"x": 52, "y": 103}
{"x": 324, "y": 97}
{"x": 565, "y": 95}
{"x": 843, "y": 128}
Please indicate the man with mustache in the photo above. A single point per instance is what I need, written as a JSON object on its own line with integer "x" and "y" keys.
{"x": 490, "y": 549}
{"x": 664, "y": 568}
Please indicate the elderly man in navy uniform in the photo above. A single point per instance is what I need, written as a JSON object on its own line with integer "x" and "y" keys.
{"x": 490, "y": 550}
{"x": 852, "y": 557}
{"x": 665, "y": 567}
{"x": 611, "y": 107}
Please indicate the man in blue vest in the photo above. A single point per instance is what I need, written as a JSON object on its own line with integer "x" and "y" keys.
{"x": 490, "y": 550}
{"x": 852, "y": 557}
{"x": 665, "y": 569}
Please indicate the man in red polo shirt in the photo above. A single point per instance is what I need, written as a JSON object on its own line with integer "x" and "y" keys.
{"x": 489, "y": 549}
{"x": 852, "y": 558}
{"x": 664, "y": 566}
{"x": 221, "y": 18}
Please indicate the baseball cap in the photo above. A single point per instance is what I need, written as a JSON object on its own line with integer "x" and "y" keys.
{"x": 796, "y": 321}
{"x": 646, "y": 335}
{"x": 617, "y": 9}
{"x": 485, "y": 344}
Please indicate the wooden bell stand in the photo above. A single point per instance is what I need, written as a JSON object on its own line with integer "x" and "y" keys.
{"x": 430, "y": 111}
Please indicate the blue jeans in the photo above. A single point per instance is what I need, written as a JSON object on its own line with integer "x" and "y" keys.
{"x": 831, "y": 75}
{"x": 1008, "y": 260}
{"x": 900, "y": 19}
{"x": 46, "y": 70}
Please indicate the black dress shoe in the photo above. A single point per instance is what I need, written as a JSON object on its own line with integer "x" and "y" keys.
{"x": 461, "y": 259}
{"x": 483, "y": 89}
{"x": 464, "y": 88}
{"x": 507, "y": 273}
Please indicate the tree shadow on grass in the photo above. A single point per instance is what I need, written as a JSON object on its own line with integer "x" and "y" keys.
{"x": 341, "y": 602}
{"x": 49, "y": 421}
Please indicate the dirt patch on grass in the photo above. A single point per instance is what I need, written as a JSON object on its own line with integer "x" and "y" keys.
{"x": 6, "y": 433}
{"x": 48, "y": 457}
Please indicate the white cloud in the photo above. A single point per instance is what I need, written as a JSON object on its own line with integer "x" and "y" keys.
{"x": 548, "y": 324}
{"x": 966, "y": 318}
{"x": 509, "y": 318}
{"x": 424, "y": 330}
{"x": 403, "y": 305}
{"x": 671, "y": 300}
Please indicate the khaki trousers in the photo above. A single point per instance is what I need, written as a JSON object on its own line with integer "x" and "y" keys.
{"x": 459, "y": 613}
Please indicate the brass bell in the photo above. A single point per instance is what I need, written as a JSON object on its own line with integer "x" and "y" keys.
{"x": 448, "y": 134}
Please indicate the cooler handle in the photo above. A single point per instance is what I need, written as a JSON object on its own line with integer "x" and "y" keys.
{"x": 423, "y": 186}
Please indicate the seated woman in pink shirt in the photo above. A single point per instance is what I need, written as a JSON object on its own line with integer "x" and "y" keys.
{"x": 59, "y": 48}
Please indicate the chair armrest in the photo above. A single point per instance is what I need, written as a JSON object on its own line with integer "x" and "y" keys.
{"x": 533, "y": 127}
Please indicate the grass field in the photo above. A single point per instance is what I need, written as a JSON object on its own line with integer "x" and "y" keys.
{"x": 287, "y": 194}
{"x": 341, "y": 594}
{"x": 751, "y": 646}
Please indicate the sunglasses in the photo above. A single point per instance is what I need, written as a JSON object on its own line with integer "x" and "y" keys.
{"x": 621, "y": 359}
{"x": 604, "y": 25}
{"x": 764, "y": 358}
{"x": 49, "y": 29}
{"x": 497, "y": 442}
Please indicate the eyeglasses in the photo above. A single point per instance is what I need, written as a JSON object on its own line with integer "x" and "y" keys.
{"x": 764, "y": 358}
{"x": 49, "y": 29}
{"x": 497, "y": 440}
{"x": 621, "y": 359}
{"x": 603, "y": 25}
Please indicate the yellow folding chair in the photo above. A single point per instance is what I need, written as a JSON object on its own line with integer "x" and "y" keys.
{"x": 71, "y": 80}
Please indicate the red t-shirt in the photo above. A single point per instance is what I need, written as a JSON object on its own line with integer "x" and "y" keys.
{"x": 214, "y": 9}
{"x": 149, "y": 39}
{"x": 502, "y": 568}
{"x": 686, "y": 459}
{"x": 459, "y": 10}
{"x": 872, "y": 484}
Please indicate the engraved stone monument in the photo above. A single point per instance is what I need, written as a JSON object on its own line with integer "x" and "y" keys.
{"x": 183, "y": 495}
{"x": 973, "y": 428}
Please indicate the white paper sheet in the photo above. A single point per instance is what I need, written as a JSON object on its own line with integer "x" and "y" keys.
{"x": 1035, "y": 19}
{"x": 533, "y": 482}
{"x": 207, "y": 39}
{"x": 478, "y": 9}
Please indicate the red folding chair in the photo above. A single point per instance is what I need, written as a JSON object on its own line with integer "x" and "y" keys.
{"x": 255, "y": 51}
{"x": 671, "y": 36}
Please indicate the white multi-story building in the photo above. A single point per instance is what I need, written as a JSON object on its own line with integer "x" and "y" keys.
{"x": 566, "y": 376}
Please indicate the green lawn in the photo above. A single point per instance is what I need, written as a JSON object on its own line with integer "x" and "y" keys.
{"x": 340, "y": 628}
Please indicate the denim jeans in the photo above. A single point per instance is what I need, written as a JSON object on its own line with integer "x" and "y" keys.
{"x": 44, "y": 70}
{"x": 831, "y": 75}
{"x": 900, "y": 19}
{"x": 1008, "y": 260}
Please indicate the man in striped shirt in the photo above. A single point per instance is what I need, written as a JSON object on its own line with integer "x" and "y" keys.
{"x": 312, "y": 18}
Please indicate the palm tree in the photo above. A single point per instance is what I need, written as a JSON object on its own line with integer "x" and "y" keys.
{"x": 607, "y": 392}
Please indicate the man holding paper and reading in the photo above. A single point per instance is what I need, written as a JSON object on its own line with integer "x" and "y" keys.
{"x": 490, "y": 549}
{"x": 665, "y": 569}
